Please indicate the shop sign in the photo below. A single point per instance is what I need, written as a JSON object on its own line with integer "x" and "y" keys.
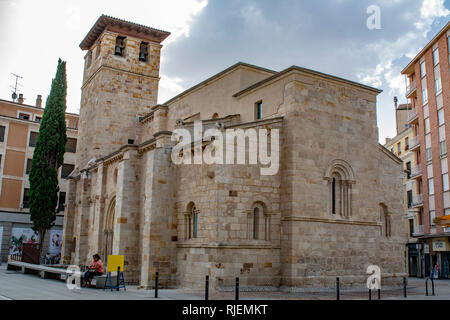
{"x": 439, "y": 245}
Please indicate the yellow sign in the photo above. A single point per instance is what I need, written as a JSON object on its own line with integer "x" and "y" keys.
{"x": 115, "y": 262}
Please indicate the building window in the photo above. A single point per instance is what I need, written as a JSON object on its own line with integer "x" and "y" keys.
{"x": 432, "y": 217}
{"x": 386, "y": 219}
{"x": 97, "y": 50}
{"x": 191, "y": 221}
{"x": 120, "y": 46}
{"x": 89, "y": 59}
{"x": 258, "y": 110}
{"x": 37, "y": 119}
{"x": 256, "y": 218}
{"x": 436, "y": 57}
{"x": 143, "y": 52}
{"x": 427, "y": 125}
{"x": 29, "y": 161}
{"x": 438, "y": 85}
{"x": 71, "y": 145}
{"x": 24, "y": 116}
{"x": 430, "y": 186}
{"x": 33, "y": 139}
{"x": 411, "y": 227}
{"x": 392, "y": 150}
{"x": 61, "y": 201}
{"x": 443, "y": 147}
{"x": 2, "y": 133}
{"x": 66, "y": 169}
{"x": 340, "y": 179}
{"x": 259, "y": 222}
{"x": 423, "y": 70}
{"x": 408, "y": 169}
{"x": 406, "y": 143}
{"x": 26, "y": 200}
{"x": 399, "y": 148}
{"x": 445, "y": 182}
{"x": 409, "y": 195}
{"x": 424, "y": 95}
{"x": 441, "y": 116}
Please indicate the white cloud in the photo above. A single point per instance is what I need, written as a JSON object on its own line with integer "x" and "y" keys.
{"x": 169, "y": 87}
{"x": 430, "y": 10}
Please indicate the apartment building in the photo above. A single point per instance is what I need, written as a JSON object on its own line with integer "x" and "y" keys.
{"x": 19, "y": 128}
{"x": 401, "y": 145}
{"x": 428, "y": 92}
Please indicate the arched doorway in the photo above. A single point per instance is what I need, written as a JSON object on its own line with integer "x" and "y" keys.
{"x": 108, "y": 231}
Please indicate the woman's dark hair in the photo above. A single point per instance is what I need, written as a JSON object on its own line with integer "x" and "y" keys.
{"x": 96, "y": 256}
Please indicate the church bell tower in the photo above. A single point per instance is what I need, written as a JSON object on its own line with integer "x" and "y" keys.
{"x": 120, "y": 83}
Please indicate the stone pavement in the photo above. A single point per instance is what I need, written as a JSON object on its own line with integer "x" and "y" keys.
{"x": 17, "y": 286}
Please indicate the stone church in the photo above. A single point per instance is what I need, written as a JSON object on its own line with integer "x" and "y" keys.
{"x": 334, "y": 207}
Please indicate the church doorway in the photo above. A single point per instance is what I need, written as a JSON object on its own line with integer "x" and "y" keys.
{"x": 108, "y": 232}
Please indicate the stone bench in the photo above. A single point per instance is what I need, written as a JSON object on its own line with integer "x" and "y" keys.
{"x": 43, "y": 271}
{"x": 47, "y": 272}
{"x": 100, "y": 281}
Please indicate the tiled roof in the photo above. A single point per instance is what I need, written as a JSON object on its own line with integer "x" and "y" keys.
{"x": 105, "y": 20}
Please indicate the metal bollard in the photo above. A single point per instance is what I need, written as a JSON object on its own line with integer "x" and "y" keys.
{"x": 404, "y": 287}
{"x": 379, "y": 294}
{"x": 370, "y": 294}
{"x": 426, "y": 286}
{"x": 118, "y": 279}
{"x": 432, "y": 286}
{"x": 206, "y": 287}
{"x": 237, "y": 289}
{"x": 156, "y": 284}
{"x": 337, "y": 289}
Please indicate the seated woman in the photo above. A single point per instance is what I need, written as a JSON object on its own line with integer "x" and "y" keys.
{"x": 95, "y": 269}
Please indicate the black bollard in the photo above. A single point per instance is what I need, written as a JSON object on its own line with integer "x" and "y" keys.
{"x": 337, "y": 289}
{"x": 370, "y": 294}
{"x": 156, "y": 284}
{"x": 118, "y": 277}
{"x": 206, "y": 287}
{"x": 432, "y": 286}
{"x": 404, "y": 287}
{"x": 426, "y": 286}
{"x": 237, "y": 289}
{"x": 379, "y": 294}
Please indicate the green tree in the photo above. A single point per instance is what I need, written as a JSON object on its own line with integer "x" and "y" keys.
{"x": 49, "y": 156}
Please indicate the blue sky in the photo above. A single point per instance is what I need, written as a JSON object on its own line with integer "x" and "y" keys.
{"x": 330, "y": 36}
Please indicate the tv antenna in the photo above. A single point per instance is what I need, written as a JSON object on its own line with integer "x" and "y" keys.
{"x": 15, "y": 87}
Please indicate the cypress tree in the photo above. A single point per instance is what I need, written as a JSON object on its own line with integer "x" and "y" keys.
{"x": 48, "y": 157}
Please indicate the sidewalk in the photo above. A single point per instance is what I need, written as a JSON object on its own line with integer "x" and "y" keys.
{"x": 17, "y": 286}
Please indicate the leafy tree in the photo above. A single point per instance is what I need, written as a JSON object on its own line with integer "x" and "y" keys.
{"x": 48, "y": 157}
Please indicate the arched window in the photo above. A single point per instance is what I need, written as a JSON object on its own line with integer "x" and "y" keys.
{"x": 194, "y": 222}
{"x": 340, "y": 179}
{"x": 259, "y": 222}
{"x": 191, "y": 221}
{"x": 386, "y": 219}
{"x": 256, "y": 214}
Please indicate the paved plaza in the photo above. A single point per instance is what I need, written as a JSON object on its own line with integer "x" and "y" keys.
{"x": 17, "y": 286}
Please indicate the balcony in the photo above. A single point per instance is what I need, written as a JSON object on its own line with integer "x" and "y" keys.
{"x": 417, "y": 201}
{"x": 418, "y": 231}
{"x": 413, "y": 115}
{"x": 414, "y": 143}
{"x": 416, "y": 172}
{"x": 411, "y": 90}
